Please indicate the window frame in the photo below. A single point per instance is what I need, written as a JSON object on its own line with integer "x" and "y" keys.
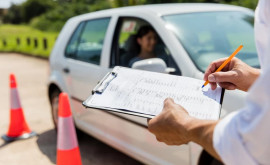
{"x": 115, "y": 56}
{"x": 116, "y": 35}
{"x": 84, "y": 22}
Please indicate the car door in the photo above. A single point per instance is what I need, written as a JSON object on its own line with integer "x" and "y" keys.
{"x": 123, "y": 40}
{"x": 83, "y": 59}
{"x": 124, "y": 46}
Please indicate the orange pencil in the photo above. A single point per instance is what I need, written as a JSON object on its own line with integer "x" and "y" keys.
{"x": 225, "y": 62}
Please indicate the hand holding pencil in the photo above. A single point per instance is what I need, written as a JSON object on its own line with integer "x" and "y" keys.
{"x": 235, "y": 74}
{"x": 225, "y": 62}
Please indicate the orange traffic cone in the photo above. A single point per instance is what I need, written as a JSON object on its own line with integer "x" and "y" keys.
{"x": 18, "y": 128}
{"x": 68, "y": 152}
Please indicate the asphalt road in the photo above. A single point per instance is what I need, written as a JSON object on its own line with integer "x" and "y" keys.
{"x": 32, "y": 74}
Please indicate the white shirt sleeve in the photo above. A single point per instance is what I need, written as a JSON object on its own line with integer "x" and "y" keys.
{"x": 243, "y": 137}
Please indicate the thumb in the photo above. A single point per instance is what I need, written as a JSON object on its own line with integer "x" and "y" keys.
{"x": 168, "y": 103}
{"x": 222, "y": 76}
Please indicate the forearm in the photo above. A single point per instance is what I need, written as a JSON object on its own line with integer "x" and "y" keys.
{"x": 201, "y": 132}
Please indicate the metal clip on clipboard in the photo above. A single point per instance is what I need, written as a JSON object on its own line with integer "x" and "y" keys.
{"x": 102, "y": 85}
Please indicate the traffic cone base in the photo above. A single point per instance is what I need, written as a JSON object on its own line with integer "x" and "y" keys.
{"x": 69, "y": 157}
{"x": 23, "y": 136}
{"x": 19, "y": 126}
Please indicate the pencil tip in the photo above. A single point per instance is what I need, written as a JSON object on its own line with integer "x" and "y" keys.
{"x": 202, "y": 86}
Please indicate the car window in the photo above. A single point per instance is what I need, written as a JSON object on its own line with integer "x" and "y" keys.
{"x": 212, "y": 35}
{"x": 125, "y": 46}
{"x": 128, "y": 28}
{"x": 73, "y": 43}
{"x": 87, "y": 42}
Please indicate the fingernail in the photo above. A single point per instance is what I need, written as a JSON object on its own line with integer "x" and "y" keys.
{"x": 211, "y": 78}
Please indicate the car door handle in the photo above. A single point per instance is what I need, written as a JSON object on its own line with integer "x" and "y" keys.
{"x": 66, "y": 70}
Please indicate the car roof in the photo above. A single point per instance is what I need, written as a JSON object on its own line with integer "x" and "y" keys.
{"x": 172, "y": 8}
{"x": 162, "y": 9}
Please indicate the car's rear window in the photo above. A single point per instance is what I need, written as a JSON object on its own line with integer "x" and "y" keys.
{"x": 86, "y": 43}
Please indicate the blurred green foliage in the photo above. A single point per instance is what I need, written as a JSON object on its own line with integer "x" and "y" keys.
{"x": 26, "y": 11}
{"x": 245, "y": 3}
{"x": 34, "y": 8}
{"x": 10, "y": 35}
{"x": 14, "y": 15}
{"x": 56, "y": 18}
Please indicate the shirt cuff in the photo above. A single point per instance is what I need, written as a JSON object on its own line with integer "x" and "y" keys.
{"x": 228, "y": 143}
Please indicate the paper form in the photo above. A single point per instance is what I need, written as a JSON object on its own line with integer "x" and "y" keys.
{"x": 144, "y": 92}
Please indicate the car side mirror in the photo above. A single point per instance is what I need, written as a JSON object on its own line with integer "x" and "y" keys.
{"x": 153, "y": 64}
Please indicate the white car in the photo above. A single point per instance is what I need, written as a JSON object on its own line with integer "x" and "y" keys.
{"x": 190, "y": 36}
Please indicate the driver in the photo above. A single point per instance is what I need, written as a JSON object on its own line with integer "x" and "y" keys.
{"x": 146, "y": 39}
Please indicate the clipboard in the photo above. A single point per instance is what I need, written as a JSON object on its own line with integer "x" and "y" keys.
{"x": 101, "y": 87}
{"x": 103, "y": 84}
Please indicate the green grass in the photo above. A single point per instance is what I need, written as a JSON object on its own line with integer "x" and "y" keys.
{"x": 10, "y": 34}
{"x": 124, "y": 36}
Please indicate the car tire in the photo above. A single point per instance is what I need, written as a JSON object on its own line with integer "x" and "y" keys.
{"x": 54, "y": 100}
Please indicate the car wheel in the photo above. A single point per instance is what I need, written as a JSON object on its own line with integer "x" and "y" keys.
{"x": 54, "y": 99}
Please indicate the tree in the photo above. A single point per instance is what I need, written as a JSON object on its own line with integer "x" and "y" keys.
{"x": 34, "y": 8}
{"x": 14, "y": 15}
{"x": 246, "y": 3}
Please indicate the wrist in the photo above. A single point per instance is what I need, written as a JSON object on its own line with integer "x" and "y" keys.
{"x": 194, "y": 129}
{"x": 254, "y": 74}
{"x": 201, "y": 131}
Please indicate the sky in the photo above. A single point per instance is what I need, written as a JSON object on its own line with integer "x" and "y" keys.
{"x": 7, "y": 3}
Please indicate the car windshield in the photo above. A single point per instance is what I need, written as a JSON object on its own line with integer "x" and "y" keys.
{"x": 213, "y": 35}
